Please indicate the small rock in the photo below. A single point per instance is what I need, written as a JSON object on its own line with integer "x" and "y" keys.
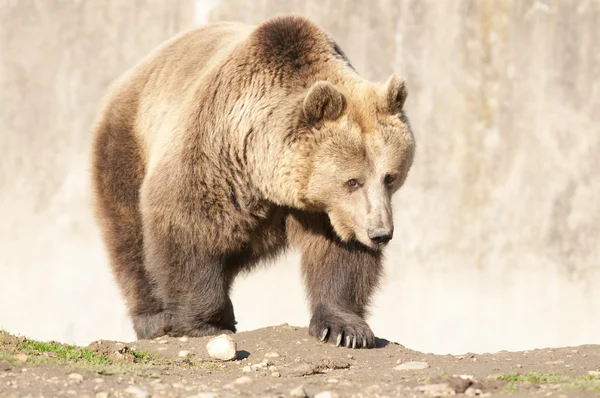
{"x": 476, "y": 392}
{"x": 184, "y": 339}
{"x": 243, "y": 380}
{"x": 272, "y": 368}
{"x": 436, "y": 390}
{"x": 177, "y": 385}
{"x": 303, "y": 369}
{"x": 161, "y": 349}
{"x": 272, "y": 354}
{"x": 98, "y": 380}
{"x": 162, "y": 341}
{"x": 326, "y": 394}
{"x": 372, "y": 389}
{"x": 222, "y": 347}
{"x": 261, "y": 365}
{"x": 298, "y": 392}
{"x": 247, "y": 369}
{"x": 75, "y": 377}
{"x": 21, "y": 357}
{"x": 101, "y": 394}
{"x": 139, "y": 392}
{"x": 276, "y": 374}
{"x": 412, "y": 366}
{"x": 350, "y": 356}
{"x": 184, "y": 353}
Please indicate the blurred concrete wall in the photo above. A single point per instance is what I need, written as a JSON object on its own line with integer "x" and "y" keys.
{"x": 498, "y": 227}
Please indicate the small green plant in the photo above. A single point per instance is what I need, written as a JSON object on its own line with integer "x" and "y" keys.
{"x": 61, "y": 352}
{"x": 141, "y": 356}
{"x": 586, "y": 382}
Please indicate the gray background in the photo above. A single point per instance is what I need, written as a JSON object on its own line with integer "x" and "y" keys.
{"x": 497, "y": 243}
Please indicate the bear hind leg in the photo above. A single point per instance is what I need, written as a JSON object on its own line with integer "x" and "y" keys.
{"x": 193, "y": 285}
{"x": 117, "y": 176}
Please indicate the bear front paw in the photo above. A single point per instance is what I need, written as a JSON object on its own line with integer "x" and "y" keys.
{"x": 341, "y": 329}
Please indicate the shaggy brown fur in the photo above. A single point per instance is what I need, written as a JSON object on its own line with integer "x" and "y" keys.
{"x": 228, "y": 143}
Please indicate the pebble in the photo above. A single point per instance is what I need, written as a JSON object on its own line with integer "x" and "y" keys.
{"x": 276, "y": 374}
{"x": 139, "y": 392}
{"x": 243, "y": 380}
{"x": 412, "y": 366}
{"x": 98, "y": 380}
{"x": 76, "y": 377}
{"x": 222, "y": 347}
{"x": 326, "y": 394}
{"x": 184, "y": 353}
{"x": 272, "y": 354}
{"x": 101, "y": 394}
{"x": 476, "y": 392}
{"x": 184, "y": 339}
{"x": 298, "y": 392}
{"x": 261, "y": 365}
{"x": 247, "y": 369}
{"x": 162, "y": 341}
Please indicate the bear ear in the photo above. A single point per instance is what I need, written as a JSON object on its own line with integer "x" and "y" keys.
{"x": 323, "y": 102}
{"x": 395, "y": 96}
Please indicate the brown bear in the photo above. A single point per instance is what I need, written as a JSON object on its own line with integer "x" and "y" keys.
{"x": 229, "y": 143}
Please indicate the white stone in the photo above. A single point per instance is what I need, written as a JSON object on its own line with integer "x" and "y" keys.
{"x": 243, "y": 380}
{"x": 184, "y": 353}
{"x": 184, "y": 339}
{"x": 412, "y": 366}
{"x": 594, "y": 373}
{"x": 222, "y": 347}
{"x": 326, "y": 394}
{"x": 76, "y": 377}
{"x": 272, "y": 354}
{"x": 298, "y": 392}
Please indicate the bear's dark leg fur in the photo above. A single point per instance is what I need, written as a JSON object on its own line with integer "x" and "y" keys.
{"x": 118, "y": 173}
{"x": 193, "y": 285}
{"x": 340, "y": 279}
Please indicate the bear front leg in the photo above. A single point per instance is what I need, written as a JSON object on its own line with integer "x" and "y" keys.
{"x": 193, "y": 284}
{"x": 340, "y": 279}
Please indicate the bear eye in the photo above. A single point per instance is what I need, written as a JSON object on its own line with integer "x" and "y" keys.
{"x": 389, "y": 179}
{"x": 353, "y": 184}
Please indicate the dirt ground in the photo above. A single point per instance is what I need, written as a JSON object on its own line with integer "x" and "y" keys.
{"x": 284, "y": 361}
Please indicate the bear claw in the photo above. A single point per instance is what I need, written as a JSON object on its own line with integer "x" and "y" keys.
{"x": 324, "y": 334}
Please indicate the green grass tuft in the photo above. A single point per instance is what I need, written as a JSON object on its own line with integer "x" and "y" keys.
{"x": 61, "y": 352}
{"x": 582, "y": 382}
{"x": 141, "y": 356}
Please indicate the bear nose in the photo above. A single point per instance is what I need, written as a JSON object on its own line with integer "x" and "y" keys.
{"x": 380, "y": 236}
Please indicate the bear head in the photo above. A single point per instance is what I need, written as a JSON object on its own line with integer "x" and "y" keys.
{"x": 357, "y": 149}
